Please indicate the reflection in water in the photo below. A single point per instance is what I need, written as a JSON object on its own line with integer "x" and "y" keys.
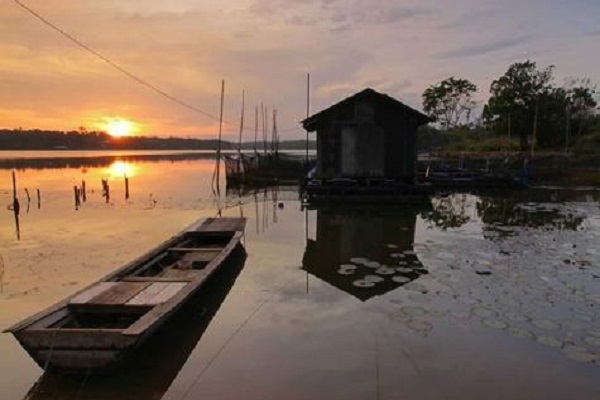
{"x": 500, "y": 214}
{"x": 364, "y": 252}
{"x": 151, "y": 370}
{"x": 78, "y": 162}
{"x": 120, "y": 169}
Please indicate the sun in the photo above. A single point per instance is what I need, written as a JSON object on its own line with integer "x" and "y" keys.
{"x": 119, "y": 127}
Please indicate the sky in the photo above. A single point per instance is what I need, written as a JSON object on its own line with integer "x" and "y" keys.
{"x": 184, "y": 48}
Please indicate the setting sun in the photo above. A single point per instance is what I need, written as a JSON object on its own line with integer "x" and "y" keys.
{"x": 119, "y": 127}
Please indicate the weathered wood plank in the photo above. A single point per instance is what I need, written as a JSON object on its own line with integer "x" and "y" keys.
{"x": 187, "y": 277}
{"x": 77, "y": 358}
{"x": 153, "y": 318}
{"x": 196, "y": 249}
{"x": 92, "y": 292}
{"x": 75, "y": 339}
{"x": 182, "y": 275}
{"x": 148, "y": 294}
{"x": 120, "y": 293}
{"x": 167, "y": 293}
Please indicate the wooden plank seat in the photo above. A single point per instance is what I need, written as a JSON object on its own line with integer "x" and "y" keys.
{"x": 112, "y": 294}
{"x": 156, "y": 293}
{"x": 109, "y": 293}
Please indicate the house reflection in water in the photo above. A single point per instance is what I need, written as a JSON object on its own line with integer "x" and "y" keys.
{"x": 365, "y": 252}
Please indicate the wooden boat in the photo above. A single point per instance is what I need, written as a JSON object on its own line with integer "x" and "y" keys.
{"x": 150, "y": 370}
{"x": 100, "y": 325}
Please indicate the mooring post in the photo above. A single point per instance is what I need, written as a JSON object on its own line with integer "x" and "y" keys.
{"x": 76, "y": 197}
{"x": 126, "y": 188}
{"x": 83, "y": 191}
{"x": 16, "y": 205}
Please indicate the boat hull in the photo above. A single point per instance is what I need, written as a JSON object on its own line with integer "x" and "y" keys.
{"x": 98, "y": 327}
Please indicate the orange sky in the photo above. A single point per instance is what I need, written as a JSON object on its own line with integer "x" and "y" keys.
{"x": 185, "y": 48}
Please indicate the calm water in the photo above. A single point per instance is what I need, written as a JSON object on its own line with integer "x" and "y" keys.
{"x": 490, "y": 297}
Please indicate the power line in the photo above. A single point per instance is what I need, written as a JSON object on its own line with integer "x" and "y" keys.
{"x": 124, "y": 71}
{"x": 113, "y": 64}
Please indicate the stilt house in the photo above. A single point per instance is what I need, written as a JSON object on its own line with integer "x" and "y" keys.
{"x": 367, "y": 136}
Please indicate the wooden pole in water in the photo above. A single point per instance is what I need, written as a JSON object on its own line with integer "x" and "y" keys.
{"x": 255, "y": 129}
{"x": 39, "y": 199}
{"x": 307, "y": 112}
{"x": 241, "y": 124}
{"x": 28, "y": 196}
{"x": 76, "y": 197}
{"x": 126, "y": 188}
{"x": 105, "y": 190}
{"x": 83, "y": 191}
{"x": 216, "y": 175}
{"x": 16, "y": 205}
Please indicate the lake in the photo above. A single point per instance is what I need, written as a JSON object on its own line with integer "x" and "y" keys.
{"x": 490, "y": 296}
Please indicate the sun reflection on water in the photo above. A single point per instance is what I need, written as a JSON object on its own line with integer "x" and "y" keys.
{"x": 119, "y": 169}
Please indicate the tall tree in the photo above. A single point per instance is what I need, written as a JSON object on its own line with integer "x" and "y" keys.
{"x": 450, "y": 101}
{"x": 517, "y": 95}
{"x": 581, "y": 97}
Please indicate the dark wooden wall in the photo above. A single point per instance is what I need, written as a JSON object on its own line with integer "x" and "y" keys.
{"x": 385, "y": 143}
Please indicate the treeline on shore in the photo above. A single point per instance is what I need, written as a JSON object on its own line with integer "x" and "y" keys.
{"x": 526, "y": 111}
{"x": 37, "y": 139}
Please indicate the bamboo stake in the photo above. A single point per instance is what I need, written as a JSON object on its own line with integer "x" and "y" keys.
{"x": 16, "y": 205}
{"x": 307, "y": 112}
{"x": 83, "y": 191}
{"x": 76, "y": 197}
{"x": 255, "y": 129}
{"x": 216, "y": 175}
{"x": 126, "y": 188}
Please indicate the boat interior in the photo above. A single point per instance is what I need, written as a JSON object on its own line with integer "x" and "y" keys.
{"x": 121, "y": 300}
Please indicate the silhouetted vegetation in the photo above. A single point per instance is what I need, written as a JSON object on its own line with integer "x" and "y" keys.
{"x": 525, "y": 107}
{"x": 36, "y": 139}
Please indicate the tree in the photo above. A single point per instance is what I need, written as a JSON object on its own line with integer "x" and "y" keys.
{"x": 450, "y": 101}
{"x": 581, "y": 101}
{"x": 516, "y": 97}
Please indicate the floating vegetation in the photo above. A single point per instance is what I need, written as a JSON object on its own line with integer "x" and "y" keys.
{"x": 495, "y": 323}
{"x": 358, "y": 260}
{"x": 404, "y": 270}
{"x": 397, "y": 255}
{"x": 549, "y": 341}
{"x": 401, "y": 279}
{"x": 520, "y": 333}
{"x": 363, "y": 283}
{"x": 385, "y": 271}
{"x": 545, "y": 324}
{"x": 373, "y": 278}
{"x": 420, "y": 327}
{"x": 391, "y": 246}
{"x": 483, "y": 312}
{"x": 413, "y": 311}
{"x": 372, "y": 264}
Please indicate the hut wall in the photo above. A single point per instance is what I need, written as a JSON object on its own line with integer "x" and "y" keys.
{"x": 361, "y": 141}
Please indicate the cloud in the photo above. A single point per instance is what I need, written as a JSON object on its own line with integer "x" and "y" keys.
{"x": 477, "y": 50}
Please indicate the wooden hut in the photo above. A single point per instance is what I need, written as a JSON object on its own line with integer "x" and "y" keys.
{"x": 367, "y": 136}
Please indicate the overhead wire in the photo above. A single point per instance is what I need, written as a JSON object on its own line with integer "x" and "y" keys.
{"x": 113, "y": 64}
{"x": 125, "y": 71}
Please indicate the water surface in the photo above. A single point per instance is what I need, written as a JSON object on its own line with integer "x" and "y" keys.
{"x": 491, "y": 297}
